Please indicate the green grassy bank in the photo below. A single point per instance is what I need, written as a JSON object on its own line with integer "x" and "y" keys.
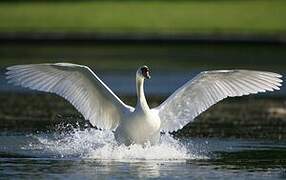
{"x": 241, "y": 16}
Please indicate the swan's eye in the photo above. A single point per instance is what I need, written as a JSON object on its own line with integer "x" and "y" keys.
{"x": 144, "y": 70}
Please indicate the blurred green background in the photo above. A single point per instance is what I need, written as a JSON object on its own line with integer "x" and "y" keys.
{"x": 139, "y": 16}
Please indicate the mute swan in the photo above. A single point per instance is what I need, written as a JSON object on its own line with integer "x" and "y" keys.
{"x": 81, "y": 87}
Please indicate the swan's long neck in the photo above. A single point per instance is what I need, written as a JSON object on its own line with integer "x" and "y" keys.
{"x": 141, "y": 100}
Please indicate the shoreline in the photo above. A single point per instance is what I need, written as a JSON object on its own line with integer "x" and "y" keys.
{"x": 140, "y": 38}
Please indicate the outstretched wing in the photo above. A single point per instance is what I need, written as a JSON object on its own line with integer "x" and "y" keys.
{"x": 76, "y": 83}
{"x": 209, "y": 87}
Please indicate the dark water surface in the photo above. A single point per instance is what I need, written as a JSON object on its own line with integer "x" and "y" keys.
{"x": 80, "y": 155}
{"x": 162, "y": 83}
{"x": 92, "y": 154}
{"x": 172, "y": 64}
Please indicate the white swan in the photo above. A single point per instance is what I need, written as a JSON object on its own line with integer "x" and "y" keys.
{"x": 81, "y": 87}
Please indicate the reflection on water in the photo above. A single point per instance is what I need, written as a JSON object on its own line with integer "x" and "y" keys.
{"x": 94, "y": 154}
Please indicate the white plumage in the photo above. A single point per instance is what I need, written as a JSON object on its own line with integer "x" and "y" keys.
{"x": 208, "y": 88}
{"x": 81, "y": 87}
{"x": 77, "y": 84}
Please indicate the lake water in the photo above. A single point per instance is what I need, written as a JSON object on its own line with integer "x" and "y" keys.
{"x": 123, "y": 83}
{"x": 171, "y": 64}
{"x": 93, "y": 154}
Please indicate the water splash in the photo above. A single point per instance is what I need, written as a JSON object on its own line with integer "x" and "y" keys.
{"x": 101, "y": 145}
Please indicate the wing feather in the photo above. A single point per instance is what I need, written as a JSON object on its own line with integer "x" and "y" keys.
{"x": 77, "y": 84}
{"x": 210, "y": 87}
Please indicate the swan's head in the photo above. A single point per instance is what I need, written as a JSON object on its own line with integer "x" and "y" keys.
{"x": 143, "y": 72}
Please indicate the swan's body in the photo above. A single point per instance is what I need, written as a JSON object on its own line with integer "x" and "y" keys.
{"x": 139, "y": 127}
{"x": 98, "y": 104}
